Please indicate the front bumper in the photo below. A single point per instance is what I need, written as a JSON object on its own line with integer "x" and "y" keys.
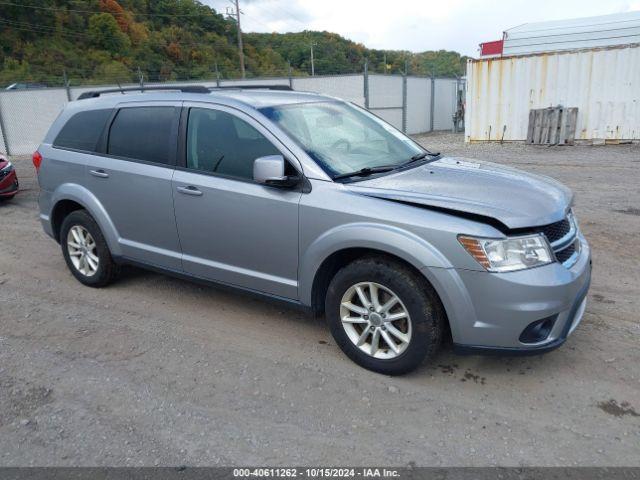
{"x": 489, "y": 311}
{"x": 566, "y": 328}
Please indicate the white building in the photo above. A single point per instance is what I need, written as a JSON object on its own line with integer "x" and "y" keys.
{"x": 589, "y": 63}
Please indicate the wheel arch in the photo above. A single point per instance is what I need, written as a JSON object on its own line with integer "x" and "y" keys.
{"x": 71, "y": 197}
{"x": 59, "y": 212}
{"x": 337, "y": 247}
{"x": 340, "y": 258}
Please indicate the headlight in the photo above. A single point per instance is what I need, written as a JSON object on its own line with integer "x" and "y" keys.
{"x": 507, "y": 255}
{"x": 7, "y": 168}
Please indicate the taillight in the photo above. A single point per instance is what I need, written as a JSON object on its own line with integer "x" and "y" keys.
{"x": 37, "y": 160}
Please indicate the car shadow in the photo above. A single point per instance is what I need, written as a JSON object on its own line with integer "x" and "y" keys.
{"x": 474, "y": 370}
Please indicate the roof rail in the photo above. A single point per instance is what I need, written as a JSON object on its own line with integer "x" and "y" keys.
{"x": 254, "y": 87}
{"x": 185, "y": 89}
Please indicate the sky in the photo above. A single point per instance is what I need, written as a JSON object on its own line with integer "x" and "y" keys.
{"x": 415, "y": 25}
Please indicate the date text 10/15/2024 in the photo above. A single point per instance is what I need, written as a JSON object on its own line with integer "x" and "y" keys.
{"x": 316, "y": 472}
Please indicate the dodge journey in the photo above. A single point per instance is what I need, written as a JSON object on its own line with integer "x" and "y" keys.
{"x": 315, "y": 201}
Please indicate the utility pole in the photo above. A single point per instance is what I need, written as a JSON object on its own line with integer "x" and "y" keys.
{"x": 313, "y": 68}
{"x": 240, "y": 49}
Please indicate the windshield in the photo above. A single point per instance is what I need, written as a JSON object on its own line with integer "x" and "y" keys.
{"x": 343, "y": 138}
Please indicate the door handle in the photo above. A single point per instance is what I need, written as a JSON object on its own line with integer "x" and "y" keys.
{"x": 99, "y": 173}
{"x": 190, "y": 190}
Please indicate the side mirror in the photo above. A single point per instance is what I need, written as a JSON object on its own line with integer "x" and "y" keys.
{"x": 269, "y": 171}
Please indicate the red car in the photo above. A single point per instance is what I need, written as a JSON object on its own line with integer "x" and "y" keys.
{"x": 8, "y": 179}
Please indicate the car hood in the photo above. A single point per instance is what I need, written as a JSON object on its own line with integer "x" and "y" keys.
{"x": 515, "y": 198}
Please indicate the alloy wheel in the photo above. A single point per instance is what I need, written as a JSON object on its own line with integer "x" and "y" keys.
{"x": 375, "y": 320}
{"x": 82, "y": 250}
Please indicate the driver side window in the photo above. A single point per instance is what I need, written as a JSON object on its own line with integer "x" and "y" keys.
{"x": 221, "y": 143}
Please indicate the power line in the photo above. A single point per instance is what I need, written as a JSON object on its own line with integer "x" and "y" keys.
{"x": 34, "y": 27}
{"x": 30, "y": 27}
{"x": 290, "y": 15}
{"x": 65, "y": 32}
{"x": 255, "y": 19}
{"x": 38, "y": 7}
{"x": 124, "y": 13}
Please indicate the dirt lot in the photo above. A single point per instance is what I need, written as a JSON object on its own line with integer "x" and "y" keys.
{"x": 157, "y": 371}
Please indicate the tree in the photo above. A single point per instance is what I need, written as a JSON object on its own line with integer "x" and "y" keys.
{"x": 13, "y": 70}
{"x": 176, "y": 39}
{"x": 105, "y": 34}
{"x": 112, "y": 72}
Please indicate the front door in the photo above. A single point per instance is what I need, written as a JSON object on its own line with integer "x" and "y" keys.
{"x": 231, "y": 229}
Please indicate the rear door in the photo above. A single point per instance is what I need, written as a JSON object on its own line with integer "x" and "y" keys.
{"x": 131, "y": 177}
{"x": 232, "y": 229}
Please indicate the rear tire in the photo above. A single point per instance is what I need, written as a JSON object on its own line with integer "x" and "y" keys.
{"x": 85, "y": 250}
{"x": 419, "y": 317}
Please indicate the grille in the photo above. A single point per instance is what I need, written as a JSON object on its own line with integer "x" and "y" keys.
{"x": 557, "y": 230}
{"x": 563, "y": 255}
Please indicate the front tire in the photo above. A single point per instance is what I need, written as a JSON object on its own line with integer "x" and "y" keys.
{"x": 85, "y": 250}
{"x": 383, "y": 315}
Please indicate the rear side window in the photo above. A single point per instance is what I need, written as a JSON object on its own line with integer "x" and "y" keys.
{"x": 144, "y": 133}
{"x": 83, "y": 130}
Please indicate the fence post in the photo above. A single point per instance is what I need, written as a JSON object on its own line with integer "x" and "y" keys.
{"x": 290, "y": 75}
{"x": 3, "y": 132}
{"x": 66, "y": 85}
{"x": 366, "y": 83}
{"x": 141, "y": 79}
{"x": 217, "y": 76}
{"x": 404, "y": 96}
{"x": 455, "y": 107}
{"x": 432, "y": 106}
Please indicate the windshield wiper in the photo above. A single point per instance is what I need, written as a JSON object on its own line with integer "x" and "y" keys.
{"x": 363, "y": 172}
{"x": 421, "y": 155}
{"x": 417, "y": 157}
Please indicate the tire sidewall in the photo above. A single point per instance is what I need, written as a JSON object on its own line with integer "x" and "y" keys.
{"x": 83, "y": 219}
{"x": 422, "y": 308}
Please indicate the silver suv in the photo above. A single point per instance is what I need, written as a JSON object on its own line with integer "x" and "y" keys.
{"x": 319, "y": 203}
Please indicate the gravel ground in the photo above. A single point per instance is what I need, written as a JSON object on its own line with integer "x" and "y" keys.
{"x": 158, "y": 371}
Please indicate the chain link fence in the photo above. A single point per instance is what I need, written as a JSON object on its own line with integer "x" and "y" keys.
{"x": 410, "y": 103}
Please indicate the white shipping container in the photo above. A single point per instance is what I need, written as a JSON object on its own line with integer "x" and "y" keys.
{"x": 603, "y": 83}
{"x": 573, "y": 34}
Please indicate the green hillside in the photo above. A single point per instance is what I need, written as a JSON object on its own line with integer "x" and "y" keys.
{"x": 106, "y": 41}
